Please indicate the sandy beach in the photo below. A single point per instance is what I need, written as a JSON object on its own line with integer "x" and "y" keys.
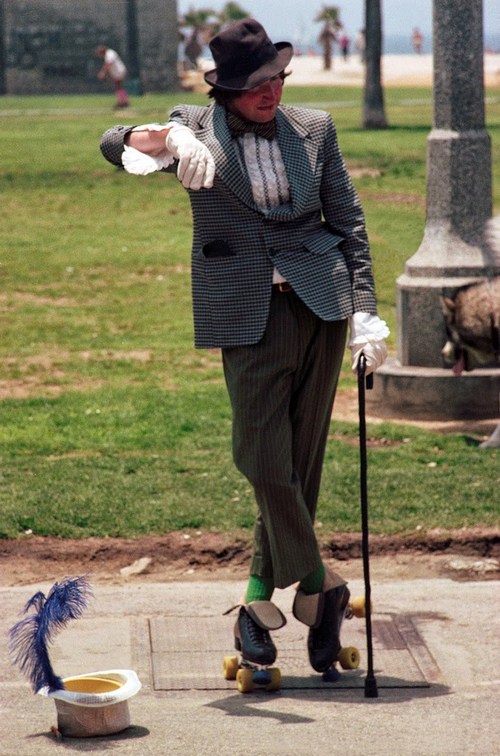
{"x": 397, "y": 70}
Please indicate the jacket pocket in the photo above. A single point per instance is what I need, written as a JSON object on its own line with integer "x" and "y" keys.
{"x": 217, "y": 248}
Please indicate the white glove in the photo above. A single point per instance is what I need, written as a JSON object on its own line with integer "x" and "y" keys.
{"x": 141, "y": 164}
{"x": 196, "y": 167}
{"x": 367, "y": 337}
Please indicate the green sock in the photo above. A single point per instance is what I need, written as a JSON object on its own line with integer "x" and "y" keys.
{"x": 313, "y": 583}
{"x": 259, "y": 588}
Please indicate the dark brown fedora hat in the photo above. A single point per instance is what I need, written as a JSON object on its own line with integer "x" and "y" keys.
{"x": 245, "y": 57}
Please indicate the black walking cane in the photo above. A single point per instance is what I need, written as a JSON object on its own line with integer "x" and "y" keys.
{"x": 371, "y": 690}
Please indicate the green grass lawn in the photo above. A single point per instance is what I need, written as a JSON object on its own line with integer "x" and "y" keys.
{"x": 110, "y": 422}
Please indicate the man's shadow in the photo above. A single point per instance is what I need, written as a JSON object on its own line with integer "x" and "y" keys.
{"x": 259, "y": 703}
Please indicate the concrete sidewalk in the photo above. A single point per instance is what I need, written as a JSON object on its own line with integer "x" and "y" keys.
{"x": 440, "y": 698}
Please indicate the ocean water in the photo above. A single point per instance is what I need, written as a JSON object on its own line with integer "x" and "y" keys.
{"x": 393, "y": 44}
{"x": 398, "y": 44}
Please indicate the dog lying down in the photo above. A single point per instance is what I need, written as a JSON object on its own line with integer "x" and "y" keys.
{"x": 472, "y": 319}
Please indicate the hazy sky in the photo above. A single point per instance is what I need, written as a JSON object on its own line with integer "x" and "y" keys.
{"x": 294, "y": 19}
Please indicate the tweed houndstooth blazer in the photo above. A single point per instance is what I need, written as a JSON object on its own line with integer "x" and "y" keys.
{"x": 317, "y": 240}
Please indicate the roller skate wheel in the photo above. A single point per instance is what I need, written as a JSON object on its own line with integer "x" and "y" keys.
{"x": 349, "y": 657}
{"x": 244, "y": 680}
{"x": 358, "y": 606}
{"x": 275, "y": 682}
{"x": 230, "y": 667}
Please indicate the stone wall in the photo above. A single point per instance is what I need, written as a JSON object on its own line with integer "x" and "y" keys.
{"x": 49, "y": 45}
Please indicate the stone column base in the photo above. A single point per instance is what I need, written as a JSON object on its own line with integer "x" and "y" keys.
{"x": 408, "y": 391}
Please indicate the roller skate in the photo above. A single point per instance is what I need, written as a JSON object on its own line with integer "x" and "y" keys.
{"x": 324, "y": 613}
{"x": 258, "y": 652}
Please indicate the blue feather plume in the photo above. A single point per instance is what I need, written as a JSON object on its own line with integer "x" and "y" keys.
{"x": 29, "y": 638}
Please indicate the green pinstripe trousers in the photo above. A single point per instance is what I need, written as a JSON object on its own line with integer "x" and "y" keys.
{"x": 282, "y": 391}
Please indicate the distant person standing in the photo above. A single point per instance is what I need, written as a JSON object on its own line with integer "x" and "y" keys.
{"x": 114, "y": 68}
{"x": 344, "y": 46}
{"x": 417, "y": 39}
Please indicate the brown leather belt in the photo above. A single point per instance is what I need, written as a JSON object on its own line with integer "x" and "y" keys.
{"x": 282, "y": 286}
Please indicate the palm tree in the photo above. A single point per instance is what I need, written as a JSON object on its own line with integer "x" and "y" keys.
{"x": 329, "y": 15}
{"x": 373, "y": 105}
{"x": 229, "y": 13}
{"x": 200, "y": 21}
{"x": 197, "y": 18}
{"x": 232, "y": 12}
{"x": 206, "y": 22}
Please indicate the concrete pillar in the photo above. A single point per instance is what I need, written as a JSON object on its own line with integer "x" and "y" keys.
{"x": 3, "y": 57}
{"x": 134, "y": 85}
{"x": 452, "y": 253}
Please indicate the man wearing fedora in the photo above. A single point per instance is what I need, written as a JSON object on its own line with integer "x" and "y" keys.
{"x": 280, "y": 268}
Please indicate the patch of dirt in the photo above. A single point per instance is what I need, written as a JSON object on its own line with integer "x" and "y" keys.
{"x": 346, "y": 409}
{"x": 462, "y": 554}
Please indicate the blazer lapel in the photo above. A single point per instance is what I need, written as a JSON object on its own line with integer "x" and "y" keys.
{"x": 300, "y": 155}
{"x": 298, "y": 151}
{"x": 228, "y": 167}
